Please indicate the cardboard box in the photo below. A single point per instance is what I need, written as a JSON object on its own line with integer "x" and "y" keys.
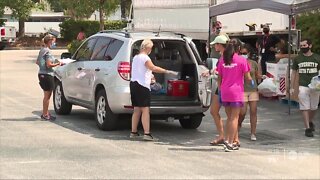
{"x": 178, "y": 88}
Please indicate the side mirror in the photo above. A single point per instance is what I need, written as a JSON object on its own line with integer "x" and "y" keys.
{"x": 66, "y": 55}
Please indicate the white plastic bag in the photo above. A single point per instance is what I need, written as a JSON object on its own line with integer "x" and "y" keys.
{"x": 315, "y": 83}
{"x": 268, "y": 88}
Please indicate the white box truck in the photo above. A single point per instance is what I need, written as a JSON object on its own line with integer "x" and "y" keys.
{"x": 191, "y": 17}
{"x": 7, "y": 36}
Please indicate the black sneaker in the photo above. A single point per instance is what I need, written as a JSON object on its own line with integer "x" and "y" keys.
{"x": 134, "y": 135}
{"x": 52, "y": 118}
{"x": 312, "y": 126}
{"x": 48, "y": 117}
{"x": 149, "y": 137}
{"x": 308, "y": 132}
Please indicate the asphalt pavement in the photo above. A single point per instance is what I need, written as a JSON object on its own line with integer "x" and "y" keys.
{"x": 72, "y": 147}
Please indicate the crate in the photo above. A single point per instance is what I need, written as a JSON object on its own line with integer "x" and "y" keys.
{"x": 178, "y": 88}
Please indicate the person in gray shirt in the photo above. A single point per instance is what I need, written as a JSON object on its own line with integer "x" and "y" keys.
{"x": 46, "y": 62}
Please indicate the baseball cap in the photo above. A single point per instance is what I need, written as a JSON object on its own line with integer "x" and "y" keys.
{"x": 221, "y": 39}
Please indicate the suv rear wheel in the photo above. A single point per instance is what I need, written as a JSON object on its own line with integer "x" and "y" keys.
{"x": 105, "y": 118}
{"x": 61, "y": 105}
{"x": 192, "y": 123}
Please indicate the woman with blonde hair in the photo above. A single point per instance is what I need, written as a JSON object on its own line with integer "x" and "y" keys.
{"x": 141, "y": 74}
{"x": 46, "y": 62}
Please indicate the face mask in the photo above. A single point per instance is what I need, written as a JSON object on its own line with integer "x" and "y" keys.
{"x": 266, "y": 31}
{"x": 245, "y": 56}
{"x": 305, "y": 50}
{"x": 53, "y": 45}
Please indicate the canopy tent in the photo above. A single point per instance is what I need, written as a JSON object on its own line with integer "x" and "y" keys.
{"x": 288, "y": 7}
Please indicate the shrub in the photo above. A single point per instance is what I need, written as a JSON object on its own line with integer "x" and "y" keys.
{"x": 70, "y": 28}
{"x": 73, "y": 46}
{"x": 310, "y": 28}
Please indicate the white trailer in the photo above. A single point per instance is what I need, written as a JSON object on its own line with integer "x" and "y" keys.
{"x": 191, "y": 17}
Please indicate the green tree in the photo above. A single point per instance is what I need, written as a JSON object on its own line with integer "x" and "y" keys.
{"x": 80, "y": 9}
{"x": 2, "y": 5}
{"x": 106, "y": 7}
{"x": 309, "y": 23}
{"x": 21, "y": 10}
{"x": 55, "y": 5}
{"x": 125, "y": 8}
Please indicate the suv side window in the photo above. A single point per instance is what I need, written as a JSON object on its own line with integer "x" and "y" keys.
{"x": 85, "y": 51}
{"x": 113, "y": 49}
{"x": 100, "y": 49}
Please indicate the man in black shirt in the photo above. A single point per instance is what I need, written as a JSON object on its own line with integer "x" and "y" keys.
{"x": 267, "y": 48}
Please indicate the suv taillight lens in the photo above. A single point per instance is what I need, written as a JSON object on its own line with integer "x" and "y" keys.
{"x": 3, "y": 32}
{"x": 124, "y": 70}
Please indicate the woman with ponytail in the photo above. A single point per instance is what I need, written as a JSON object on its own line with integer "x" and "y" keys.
{"x": 232, "y": 68}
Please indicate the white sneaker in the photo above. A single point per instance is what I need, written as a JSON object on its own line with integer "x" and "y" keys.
{"x": 253, "y": 137}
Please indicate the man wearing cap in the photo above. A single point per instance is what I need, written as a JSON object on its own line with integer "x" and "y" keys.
{"x": 216, "y": 29}
{"x": 267, "y": 47}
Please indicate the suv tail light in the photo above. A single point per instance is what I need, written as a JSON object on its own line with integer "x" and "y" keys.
{"x": 3, "y": 32}
{"x": 124, "y": 70}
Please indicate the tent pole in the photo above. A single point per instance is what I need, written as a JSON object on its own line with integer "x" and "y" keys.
{"x": 289, "y": 62}
{"x": 209, "y": 33}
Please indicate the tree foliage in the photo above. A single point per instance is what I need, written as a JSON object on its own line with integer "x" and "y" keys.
{"x": 125, "y": 8}
{"x": 309, "y": 23}
{"x": 80, "y": 9}
{"x": 21, "y": 10}
{"x": 55, "y": 5}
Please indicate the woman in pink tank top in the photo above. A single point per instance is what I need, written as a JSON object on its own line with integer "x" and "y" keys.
{"x": 232, "y": 69}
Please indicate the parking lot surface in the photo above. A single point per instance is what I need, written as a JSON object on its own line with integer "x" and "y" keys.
{"x": 73, "y": 147}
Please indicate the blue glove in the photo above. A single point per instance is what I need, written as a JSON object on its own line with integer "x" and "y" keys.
{"x": 252, "y": 83}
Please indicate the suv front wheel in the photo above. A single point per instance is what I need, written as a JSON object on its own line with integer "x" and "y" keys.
{"x": 61, "y": 105}
{"x": 192, "y": 123}
{"x": 105, "y": 118}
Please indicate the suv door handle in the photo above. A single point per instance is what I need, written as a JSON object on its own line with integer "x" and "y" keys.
{"x": 97, "y": 69}
{"x": 80, "y": 68}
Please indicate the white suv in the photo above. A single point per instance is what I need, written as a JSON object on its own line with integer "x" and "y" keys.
{"x": 99, "y": 78}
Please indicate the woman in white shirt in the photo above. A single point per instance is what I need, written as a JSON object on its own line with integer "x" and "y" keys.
{"x": 142, "y": 68}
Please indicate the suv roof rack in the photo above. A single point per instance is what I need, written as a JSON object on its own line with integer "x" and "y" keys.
{"x": 172, "y": 32}
{"x": 126, "y": 34}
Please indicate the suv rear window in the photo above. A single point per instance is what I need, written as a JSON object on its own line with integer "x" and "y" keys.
{"x": 85, "y": 51}
{"x": 166, "y": 50}
{"x": 106, "y": 49}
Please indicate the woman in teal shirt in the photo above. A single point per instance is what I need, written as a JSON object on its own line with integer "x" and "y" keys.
{"x": 46, "y": 62}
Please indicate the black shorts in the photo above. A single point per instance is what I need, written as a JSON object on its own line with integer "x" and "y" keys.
{"x": 46, "y": 82}
{"x": 140, "y": 95}
{"x": 216, "y": 92}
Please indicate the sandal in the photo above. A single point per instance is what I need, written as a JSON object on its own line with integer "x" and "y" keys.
{"x": 217, "y": 142}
